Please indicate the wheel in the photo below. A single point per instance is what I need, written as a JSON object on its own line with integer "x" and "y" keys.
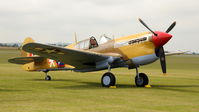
{"x": 47, "y": 77}
{"x": 142, "y": 80}
{"x": 108, "y": 79}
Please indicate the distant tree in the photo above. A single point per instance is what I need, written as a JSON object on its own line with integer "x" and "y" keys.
{"x": 14, "y": 45}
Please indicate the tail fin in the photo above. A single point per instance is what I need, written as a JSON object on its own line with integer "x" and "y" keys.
{"x": 24, "y": 53}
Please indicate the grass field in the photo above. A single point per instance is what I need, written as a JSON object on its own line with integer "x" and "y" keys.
{"x": 22, "y": 91}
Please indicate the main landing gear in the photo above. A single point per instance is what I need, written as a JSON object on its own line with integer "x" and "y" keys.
{"x": 141, "y": 79}
{"x": 47, "y": 77}
{"x": 108, "y": 79}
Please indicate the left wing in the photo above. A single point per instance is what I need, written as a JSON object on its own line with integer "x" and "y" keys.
{"x": 78, "y": 58}
{"x": 174, "y": 53}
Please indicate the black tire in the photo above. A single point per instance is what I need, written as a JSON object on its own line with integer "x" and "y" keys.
{"x": 47, "y": 77}
{"x": 142, "y": 81}
{"x": 108, "y": 79}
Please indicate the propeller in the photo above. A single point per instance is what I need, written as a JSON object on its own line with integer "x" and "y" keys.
{"x": 171, "y": 27}
{"x": 160, "y": 53}
{"x": 162, "y": 59}
{"x": 143, "y": 23}
{"x": 160, "y": 50}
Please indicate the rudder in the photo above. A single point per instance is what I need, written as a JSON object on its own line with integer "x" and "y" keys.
{"x": 24, "y": 53}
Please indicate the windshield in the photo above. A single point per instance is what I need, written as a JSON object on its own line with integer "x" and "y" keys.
{"x": 104, "y": 39}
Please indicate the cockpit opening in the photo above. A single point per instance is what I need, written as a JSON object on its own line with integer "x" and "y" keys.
{"x": 93, "y": 43}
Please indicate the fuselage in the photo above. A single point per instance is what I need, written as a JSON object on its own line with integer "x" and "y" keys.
{"x": 135, "y": 49}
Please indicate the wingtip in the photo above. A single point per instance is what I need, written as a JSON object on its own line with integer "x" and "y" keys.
{"x": 25, "y": 45}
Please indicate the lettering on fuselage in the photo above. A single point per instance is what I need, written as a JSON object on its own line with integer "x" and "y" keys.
{"x": 137, "y": 40}
{"x": 133, "y": 41}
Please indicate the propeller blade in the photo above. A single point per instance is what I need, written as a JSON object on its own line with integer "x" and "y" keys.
{"x": 171, "y": 27}
{"x": 162, "y": 59}
{"x": 147, "y": 27}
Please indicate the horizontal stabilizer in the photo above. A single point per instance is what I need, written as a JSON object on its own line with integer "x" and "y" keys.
{"x": 25, "y": 60}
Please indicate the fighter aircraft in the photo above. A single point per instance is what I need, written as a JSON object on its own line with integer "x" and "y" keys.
{"x": 89, "y": 55}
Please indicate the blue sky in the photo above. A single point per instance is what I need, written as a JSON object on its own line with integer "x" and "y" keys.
{"x": 50, "y": 21}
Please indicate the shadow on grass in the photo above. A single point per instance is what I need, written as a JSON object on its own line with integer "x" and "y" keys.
{"x": 97, "y": 85}
{"x": 159, "y": 86}
{"x": 12, "y": 90}
{"x": 53, "y": 80}
{"x": 82, "y": 85}
{"x": 177, "y": 88}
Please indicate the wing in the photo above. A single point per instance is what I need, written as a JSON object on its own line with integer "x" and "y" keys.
{"x": 24, "y": 60}
{"x": 77, "y": 58}
{"x": 174, "y": 53}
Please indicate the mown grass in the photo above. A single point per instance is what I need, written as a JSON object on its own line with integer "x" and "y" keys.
{"x": 178, "y": 91}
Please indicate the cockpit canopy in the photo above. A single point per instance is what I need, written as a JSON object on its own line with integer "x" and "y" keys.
{"x": 92, "y": 42}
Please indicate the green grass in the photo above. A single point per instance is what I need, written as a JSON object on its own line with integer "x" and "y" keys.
{"x": 178, "y": 91}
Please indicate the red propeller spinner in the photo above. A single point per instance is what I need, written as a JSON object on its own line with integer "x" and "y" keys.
{"x": 161, "y": 38}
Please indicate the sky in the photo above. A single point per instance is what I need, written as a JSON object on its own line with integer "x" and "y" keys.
{"x": 49, "y": 21}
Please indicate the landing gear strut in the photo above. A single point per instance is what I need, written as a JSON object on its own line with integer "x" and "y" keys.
{"x": 47, "y": 76}
{"x": 141, "y": 79}
{"x": 108, "y": 79}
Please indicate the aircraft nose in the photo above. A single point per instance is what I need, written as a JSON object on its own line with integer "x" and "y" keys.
{"x": 161, "y": 38}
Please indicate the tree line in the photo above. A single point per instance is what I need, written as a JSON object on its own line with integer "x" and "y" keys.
{"x": 19, "y": 44}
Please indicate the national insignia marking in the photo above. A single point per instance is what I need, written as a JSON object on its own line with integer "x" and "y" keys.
{"x": 39, "y": 49}
{"x": 49, "y": 51}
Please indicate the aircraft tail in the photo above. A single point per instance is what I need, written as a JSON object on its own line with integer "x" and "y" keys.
{"x": 24, "y": 53}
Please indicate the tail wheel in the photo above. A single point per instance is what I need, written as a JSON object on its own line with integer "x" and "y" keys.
{"x": 108, "y": 79}
{"x": 142, "y": 80}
